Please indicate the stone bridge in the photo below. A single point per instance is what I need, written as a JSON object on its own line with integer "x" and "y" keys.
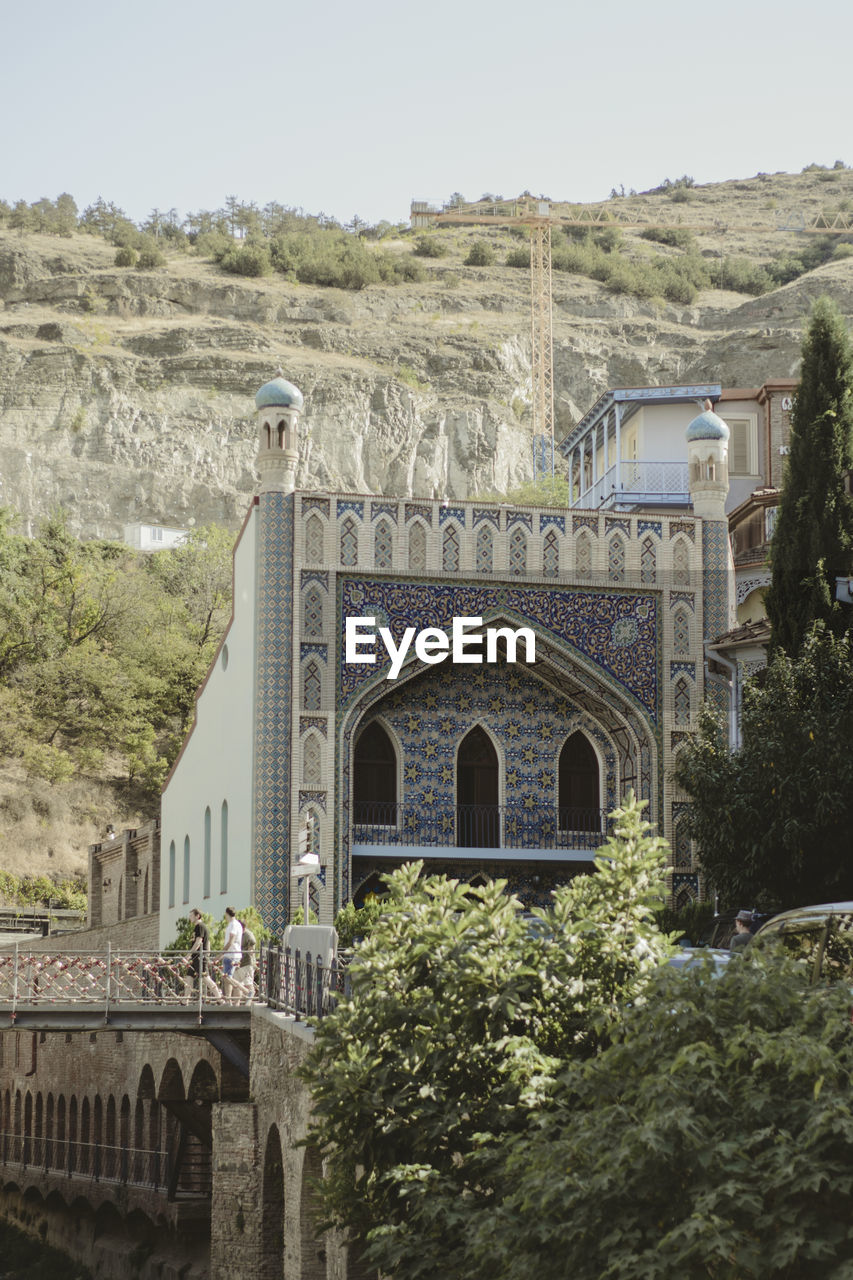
{"x": 165, "y": 1138}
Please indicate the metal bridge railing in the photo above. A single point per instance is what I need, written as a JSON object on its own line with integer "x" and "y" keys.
{"x": 88, "y": 1160}
{"x": 110, "y": 979}
{"x": 287, "y": 980}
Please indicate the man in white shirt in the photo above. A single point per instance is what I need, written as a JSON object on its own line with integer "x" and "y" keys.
{"x": 231, "y": 951}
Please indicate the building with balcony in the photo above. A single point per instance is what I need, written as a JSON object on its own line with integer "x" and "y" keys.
{"x": 504, "y": 762}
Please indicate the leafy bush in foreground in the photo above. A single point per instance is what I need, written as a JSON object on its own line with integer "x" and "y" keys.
{"x": 460, "y": 1019}
{"x": 712, "y": 1141}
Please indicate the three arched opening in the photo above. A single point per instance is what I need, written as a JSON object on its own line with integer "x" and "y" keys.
{"x": 477, "y": 786}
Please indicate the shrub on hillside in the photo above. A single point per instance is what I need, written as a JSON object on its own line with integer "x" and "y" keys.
{"x": 430, "y": 247}
{"x": 480, "y": 254}
{"x": 518, "y": 258}
{"x": 675, "y": 237}
{"x": 743, "y": 276}
{"x": 126, "y": 256}
{"x": 150, "y": 257}
{"x": 246, "y": 260}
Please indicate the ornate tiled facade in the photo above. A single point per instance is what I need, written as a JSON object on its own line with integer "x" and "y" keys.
{"x": 606, "y": 664}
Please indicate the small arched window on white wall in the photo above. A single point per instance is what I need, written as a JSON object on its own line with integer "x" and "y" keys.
{"x": 223, "y": 849}
{"x": 186, "y": 894}
{"x": 207, "y": 852}
{"x": 417, "y": 547}
{"x": 171, "y": 873}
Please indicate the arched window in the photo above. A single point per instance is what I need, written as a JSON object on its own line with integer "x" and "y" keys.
{"x": 267, "y": 434}
{"x": 223, "y": 849}
{"x": 312, "y": 611}
{"x": 171, "y": 873}
{"x": 681, "y": 631}
{"x": 551, "y": 554}
{"x": 383, "y": 554}
{"x": 207, "y": 852}
{"x": 648, "y": 560}
{"x": 578, "y": 785}
{"x": 312, "y": 686}
{"x": 680, "y": 563}
{"x": 616, "y": 559}
{"x": 311, "y": 761}
{"x": 518, "y": 550}
{"x": 477, "y": 792}
{"x": 375, "y": 777}
{"x": 681, "y": 701}
{"x": 186, "y": 896}
{"x": 314, "y": 540}
{"x": 485, "y": 549}
{"x": 450, "y": 549}
{"x": 418, "y": 547}
{"x": 583, "y": 555}
{"x": 349, "y": 542}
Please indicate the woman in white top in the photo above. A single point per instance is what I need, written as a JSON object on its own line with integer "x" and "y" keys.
{"x": 231, "y": 951}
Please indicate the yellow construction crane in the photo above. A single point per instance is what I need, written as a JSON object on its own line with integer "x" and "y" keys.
{"x": 541, "y": 215}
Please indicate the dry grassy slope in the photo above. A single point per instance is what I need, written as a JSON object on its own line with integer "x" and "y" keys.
{"x": 128, "y": 395}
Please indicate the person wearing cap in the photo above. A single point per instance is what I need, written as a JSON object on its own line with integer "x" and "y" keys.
{"x": 742, "y": 935}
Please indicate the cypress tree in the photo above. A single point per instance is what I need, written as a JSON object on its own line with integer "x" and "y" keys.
{"x": 813, "y": 541}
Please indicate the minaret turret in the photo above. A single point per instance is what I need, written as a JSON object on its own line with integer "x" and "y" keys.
{"x": 708, "y": 460}
{"x": 279, "y": 404}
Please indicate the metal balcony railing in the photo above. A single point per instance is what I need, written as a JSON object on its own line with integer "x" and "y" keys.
{"x": 467, "y": 826}
{"x": 638, "y": 482}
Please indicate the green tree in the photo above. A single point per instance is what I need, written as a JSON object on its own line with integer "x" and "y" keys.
{"x": 814, "y": 528}
{"x": 773, "y": 820}
{"x": 712, "y": 1141}
{"x": 460, "y": 1018}
{"x": 21, "y": 217}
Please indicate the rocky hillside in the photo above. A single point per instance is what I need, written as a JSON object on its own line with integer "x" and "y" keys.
{"x": 127, "y": 395}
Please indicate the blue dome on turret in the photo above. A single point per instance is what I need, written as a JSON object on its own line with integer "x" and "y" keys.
{"x": 279, "y": 393}
{"x": 708, "y": 426}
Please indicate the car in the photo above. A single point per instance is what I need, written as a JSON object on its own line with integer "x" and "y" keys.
{"x": 821, "y": 935}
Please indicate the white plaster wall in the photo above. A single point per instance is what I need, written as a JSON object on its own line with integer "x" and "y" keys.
{"x": 216, "y": 765}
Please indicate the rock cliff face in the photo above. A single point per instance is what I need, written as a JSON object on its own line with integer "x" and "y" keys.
{"x": 129, "y": 396}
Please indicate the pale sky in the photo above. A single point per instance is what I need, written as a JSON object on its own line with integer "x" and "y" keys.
{"x": 354, "y": 108}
